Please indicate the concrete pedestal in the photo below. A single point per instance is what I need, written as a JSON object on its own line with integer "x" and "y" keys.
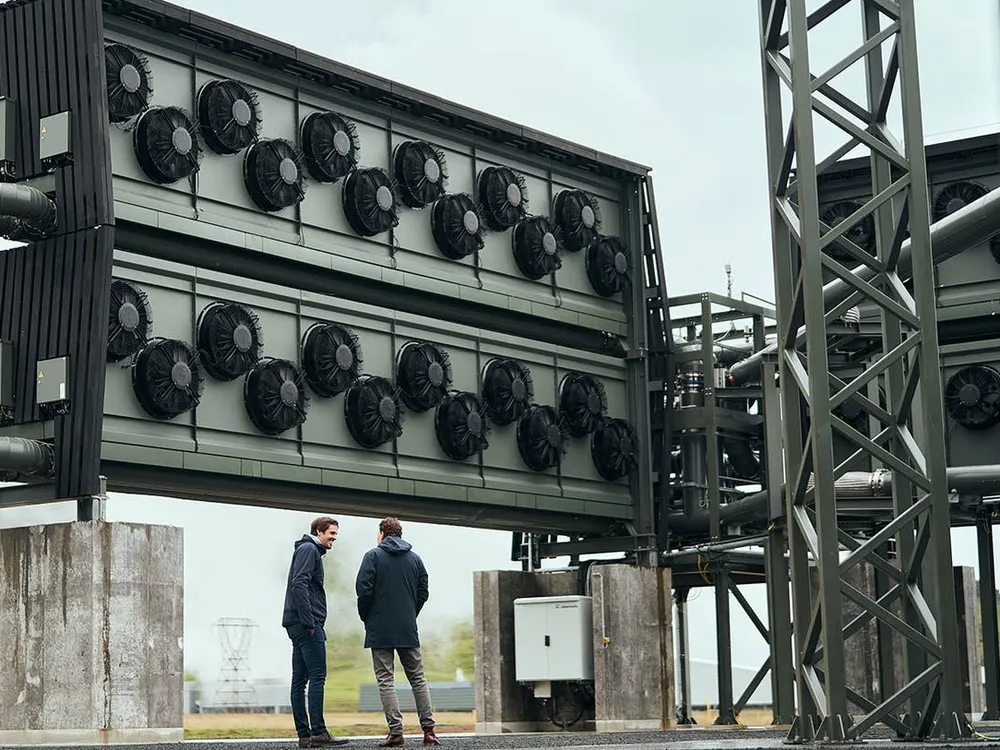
{"x": 91, "y": 628}
{"x": 633, "y": 648}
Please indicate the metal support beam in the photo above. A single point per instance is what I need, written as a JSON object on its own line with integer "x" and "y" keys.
{"x": 684, "y": 716}
{"x": 779, "y": 616}
{"x": 907, "y": 435}
{"x": 988, "y": 610}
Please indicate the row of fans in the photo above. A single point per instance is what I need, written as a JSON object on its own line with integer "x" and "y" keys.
{"x": 168, "y": 148}
{"x": 168, "y": 378}
{"x": 948, "y": 199}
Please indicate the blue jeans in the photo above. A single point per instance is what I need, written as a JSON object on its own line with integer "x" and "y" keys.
{"x": 308, "y": 665}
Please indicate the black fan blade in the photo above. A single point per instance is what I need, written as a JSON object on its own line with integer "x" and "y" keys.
{"x": 330, "y": 146}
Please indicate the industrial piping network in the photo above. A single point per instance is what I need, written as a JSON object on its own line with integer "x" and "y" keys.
{"x": 966, "y": 227}
{"x": 23, "y": 210}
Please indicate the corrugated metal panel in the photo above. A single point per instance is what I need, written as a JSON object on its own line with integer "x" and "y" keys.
{"x": 54, "y": 293}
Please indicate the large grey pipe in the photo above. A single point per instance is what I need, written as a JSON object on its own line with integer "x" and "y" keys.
{"x": 25, "y": 207}
{"x": 983, "y": 479}
{"x": 25, "y": 456}
{"x": 955, "y": 233}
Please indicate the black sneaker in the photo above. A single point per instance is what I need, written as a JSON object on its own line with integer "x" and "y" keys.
{"x": 305, "y": 742}
{"x": 325, "y": 740}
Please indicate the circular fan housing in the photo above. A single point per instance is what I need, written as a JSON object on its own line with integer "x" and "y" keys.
{"x": 423, "y": 373}
{"x": 273, "y": 174}
{"x": 507, "y": 390}
{"x": 274, "y": 396}
{"x": 537, "y": 247}
{"x": 330, "y": 146}
{"x": 374, "y": 411}
{"x": 614, "y": 449}
{"x": 167, "y": 378}
{"x": 955, "y": 196}
{"x": 861, "y": 234}
{"x": 457, "y": 226}
{"x": 541, "y": 438}
{"x": 972, "y": 397}
{"x": 230, "y": 340}
{"x": 607, "y": 262}
{"x": 129, "y": 320}
{"x": 129, "y": 82}
{"x": 461, "y": 425}
{"x": 166, "y": 144}
{"x": 370, "y": 202}
{"x": 578, "y": 215}
{"x": 503, "y": 196}
{"x": 421, "y": 172}
{"x": 331, "y": 358}
{"x": 583, "y": 402}
{"x": 229, "y": 113}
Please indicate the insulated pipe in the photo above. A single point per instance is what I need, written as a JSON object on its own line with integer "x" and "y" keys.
{"x": 26, "y": 456}
{"x": 20, "y": 204}
{"x": 851, "y": 485}
{"x": 968, "y": 226}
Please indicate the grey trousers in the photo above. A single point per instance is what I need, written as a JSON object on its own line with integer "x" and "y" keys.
{"x": 384, "y": 662}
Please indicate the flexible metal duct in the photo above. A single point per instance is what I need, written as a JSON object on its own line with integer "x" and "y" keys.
{"x": 955, "y": 233}
{"x": 23, "y": 207}
{"x": 26, "y": 456}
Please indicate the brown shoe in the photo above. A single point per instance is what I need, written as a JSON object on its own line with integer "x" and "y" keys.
{"x": 392, "y": 740}
{"x": 325, "y": 740}
{"x": 429, "y": 737}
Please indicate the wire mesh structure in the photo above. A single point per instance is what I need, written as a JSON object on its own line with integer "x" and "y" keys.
{"x": 903, "y": 435}
{"x": 234, "y": 693}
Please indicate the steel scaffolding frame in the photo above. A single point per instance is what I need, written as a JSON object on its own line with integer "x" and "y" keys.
{"x": 907, "y": 438}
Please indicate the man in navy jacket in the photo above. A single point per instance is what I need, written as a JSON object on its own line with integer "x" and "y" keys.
{"x": 392, "y": 589}
{"x": 304, "y": 618}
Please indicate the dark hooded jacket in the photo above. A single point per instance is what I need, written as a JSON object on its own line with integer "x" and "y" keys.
{"x": 305, "y": 598}
{"x": 392, "y": 589}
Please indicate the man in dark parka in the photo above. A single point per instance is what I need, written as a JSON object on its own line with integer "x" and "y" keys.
{"x": 392, "y": 589}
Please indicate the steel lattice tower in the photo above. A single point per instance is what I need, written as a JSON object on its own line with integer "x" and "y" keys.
{"x": 905, "y": 436}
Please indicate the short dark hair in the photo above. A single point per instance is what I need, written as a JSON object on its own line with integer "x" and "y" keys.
{"x": 390, "y": 527}
{"x": 322, "y": 524}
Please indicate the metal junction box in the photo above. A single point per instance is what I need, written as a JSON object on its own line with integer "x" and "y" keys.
{"x": 553, "y": 638}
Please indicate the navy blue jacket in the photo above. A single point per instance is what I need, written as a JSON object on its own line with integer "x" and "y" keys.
{"x": 305, "y": 597}
{"x": 392, "y": 589}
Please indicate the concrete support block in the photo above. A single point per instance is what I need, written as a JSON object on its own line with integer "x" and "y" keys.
{"x": 633, "y": 648}
{"x": 503, "y": 705}
{"x": 970, "y": 636}
{"x": 91, "y": 628}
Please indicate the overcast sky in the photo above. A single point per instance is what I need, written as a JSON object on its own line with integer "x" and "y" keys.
{"x": 675, "y": 85}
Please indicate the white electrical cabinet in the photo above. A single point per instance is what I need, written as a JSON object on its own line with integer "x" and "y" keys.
{"x": 553, "y": 638}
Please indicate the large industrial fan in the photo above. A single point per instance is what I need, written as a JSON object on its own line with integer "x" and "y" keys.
{"x": 166, "y": 144}
{"x": 330, "y": 146}
{"x": 129, "y": 320}
{"x": 167, "y": 378}
{"x": 371, "y": 201}
{"x": 972, "y": 397}
{"x": 957, "y": 195}
{"x": 614, "y": 449}
{"x": 273, "y": 174}
{"x": 229, "y": 114}
{"x": 578, "y": 215}
{"x": 507, "y": 390}
{"x": 537, "y": 247}
{"x": 423, "y": 373}
{"x": 607, "y": 262}
{"x": 457, "y": 226}
{"x": 461, "y": 425}
{"x": 861, "y": 234}
{"x": 230, "y": 340}
{"x": 421, "y": 172}
{"x": 129, "y": 82}
{"x": 541, "y": 437}
{"x": 503, "y": 196}
{"x": 583, "y": 402}
{"x": 373, "y": 411}
{"x": 331, "y": 358}
{"x": 274, "y": 396}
